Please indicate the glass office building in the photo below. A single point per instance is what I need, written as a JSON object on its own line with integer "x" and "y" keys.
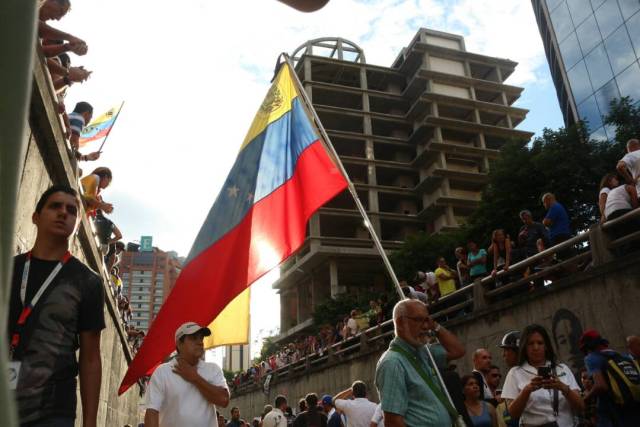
{"x": 593, "y": 47}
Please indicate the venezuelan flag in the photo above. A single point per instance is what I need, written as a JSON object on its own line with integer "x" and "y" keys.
{"x": 100, "y": 126}
{"x": 281, "y": 176}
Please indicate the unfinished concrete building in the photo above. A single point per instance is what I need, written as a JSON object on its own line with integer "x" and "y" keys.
{"x": 416, "y": 139}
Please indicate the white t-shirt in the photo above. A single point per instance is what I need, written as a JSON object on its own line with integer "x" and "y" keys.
{"x": 378, "y": 416}
{"x": 352, "y": 325}
{"x": 275, "y": 418}
{"x": 358, "y": 411}
{"x": 604, "y": 190}
{"x": 179, "y": 402}
{"x": 617, "y": 199}
{"x": 539, "y": 407}
{"x": 632, "y": 160}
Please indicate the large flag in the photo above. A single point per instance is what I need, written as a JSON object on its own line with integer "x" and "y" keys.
{"x": 232, "y": 324}
{"x": 281, "y": 176}
{"x": 100, "y": 126}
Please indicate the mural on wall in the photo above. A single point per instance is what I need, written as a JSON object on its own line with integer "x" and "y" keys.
{"x": 566, "y": 329}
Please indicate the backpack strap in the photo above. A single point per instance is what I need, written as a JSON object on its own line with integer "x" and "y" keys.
{"x": 453, "y": 413}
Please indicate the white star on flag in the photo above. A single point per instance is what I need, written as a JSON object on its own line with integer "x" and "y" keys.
{"x": 233, "y": 191}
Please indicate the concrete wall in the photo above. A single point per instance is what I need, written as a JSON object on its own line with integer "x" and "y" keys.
{"x": 47, "y": 162}
{"x": 605, "y": 298}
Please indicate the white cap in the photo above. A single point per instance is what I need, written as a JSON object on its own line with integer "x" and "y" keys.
{"x": 190, "y": 328}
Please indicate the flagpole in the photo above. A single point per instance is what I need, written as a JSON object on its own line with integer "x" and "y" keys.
{"x": 351, "y": 187}
{"x": 327, "y": 142}
{"x": 112, "y": 125}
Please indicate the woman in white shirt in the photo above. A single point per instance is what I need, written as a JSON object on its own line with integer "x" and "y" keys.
{"x": 541, "y": 391}
{"x": 608, "y": 183}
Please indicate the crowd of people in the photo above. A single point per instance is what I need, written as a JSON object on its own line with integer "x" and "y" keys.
{"x": 56, "y": 46}
{"x": 537, "y": 390}
{"x": 329, "y": 335}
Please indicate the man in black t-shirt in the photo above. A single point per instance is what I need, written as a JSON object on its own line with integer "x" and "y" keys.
{"x": 56, "y": 307}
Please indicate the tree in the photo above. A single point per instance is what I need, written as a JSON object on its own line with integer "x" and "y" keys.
{"x": 625, "y": 117}
{"x": 420, "y": 252}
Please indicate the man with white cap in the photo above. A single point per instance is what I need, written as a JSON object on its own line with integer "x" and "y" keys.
{"x": 184, "y": 391}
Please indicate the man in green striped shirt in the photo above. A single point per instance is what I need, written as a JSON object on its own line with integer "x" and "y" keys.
{"x": 406, "y": 398}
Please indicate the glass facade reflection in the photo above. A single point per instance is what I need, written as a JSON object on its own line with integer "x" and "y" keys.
{"x": 593, "y": 48}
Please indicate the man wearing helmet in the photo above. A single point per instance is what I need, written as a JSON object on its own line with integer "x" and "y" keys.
{"x": 510, "y": 345}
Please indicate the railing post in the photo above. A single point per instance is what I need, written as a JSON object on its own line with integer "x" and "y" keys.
{"x": 364, "y": 343}
{"x": 479, "y": 300}
{"x": 330, "y": 353}
{"x": 599, "y": 241}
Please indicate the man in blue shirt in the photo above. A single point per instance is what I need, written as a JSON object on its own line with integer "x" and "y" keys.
{"x": 557, "y": 219}
{"x": 405, "y": 397}
{"x": 598, "y": 354}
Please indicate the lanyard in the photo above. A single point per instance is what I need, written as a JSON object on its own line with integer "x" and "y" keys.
{"x": 27, "y": 309}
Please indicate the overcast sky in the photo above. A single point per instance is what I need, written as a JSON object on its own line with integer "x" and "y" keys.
{"x": 193, "y": 73}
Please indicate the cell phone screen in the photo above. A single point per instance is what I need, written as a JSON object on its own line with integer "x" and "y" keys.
{"x": 544, "y": 371}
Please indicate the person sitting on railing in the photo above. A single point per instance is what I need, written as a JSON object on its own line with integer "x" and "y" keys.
{"x": 608, "y": 183}
{"x": 621, "y": 200}
{"x": 461, "y": 266}
{"x": 445, "y": 277}
{"x": 476, "y": 260}
{"x": 78, "y": 118}
{"x": 540, "y": 390}
{"x": 501, "y": 251}
{"x": 92, "y": 185}
{"x": 629, "y": 166}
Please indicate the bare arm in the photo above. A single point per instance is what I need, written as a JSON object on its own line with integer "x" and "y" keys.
{"x": 117, "y": 234}
{"x": 90, "y": 376}
{"x": 621, "y": 167}
{"x": 602, "y": 202}
{"x": 599, "y": 386}
{"x": 547, "y": 222}
{"x": 633, "y": 195}
{"x": 343, "y": 395}
{"x": 212, "y": 393}
{"x": 151, "y": 418}
{"x": 451, "y": 343}
{"x": 393, "y": 420}
{"x": 516, "y": 406}
{"x": 47, "y": 32}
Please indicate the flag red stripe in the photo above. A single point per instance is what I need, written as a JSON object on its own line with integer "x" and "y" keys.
{"x": 219, "y": 273}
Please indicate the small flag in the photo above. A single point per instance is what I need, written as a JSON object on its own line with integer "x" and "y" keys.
{"x": 281, "y": 177}
{"x": 100, "y": 126}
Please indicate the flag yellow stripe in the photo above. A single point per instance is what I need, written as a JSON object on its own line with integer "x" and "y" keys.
{"x": 276, "y": 104}
{"x": 232, "y": 324}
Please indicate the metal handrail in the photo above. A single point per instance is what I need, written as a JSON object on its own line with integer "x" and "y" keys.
{"x": 624, "y": 218}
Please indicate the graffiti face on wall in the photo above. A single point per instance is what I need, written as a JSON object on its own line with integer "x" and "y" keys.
{"x": 567, "y": 329}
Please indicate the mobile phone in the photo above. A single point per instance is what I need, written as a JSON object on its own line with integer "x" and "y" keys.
{"x": 544, "y": 372}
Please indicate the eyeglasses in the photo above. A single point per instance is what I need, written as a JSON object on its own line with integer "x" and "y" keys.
{"x": 419, "y": 319}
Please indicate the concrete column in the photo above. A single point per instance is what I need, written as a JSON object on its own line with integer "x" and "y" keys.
{"x": 505, "y": 100}
{"x": 451, "y": 218}
{"x": 479, "y": 300}
{"x": 599, "y": 242}
{"x": 499, "y": 75}
{"x": 446, "y": 188}
{"x": 336, "y": 289}
{"x": 443, "y": 160}
{"x": 314, "y": 231}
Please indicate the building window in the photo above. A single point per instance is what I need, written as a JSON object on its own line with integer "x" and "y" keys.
{"x": 579, "y": 10}
{"x": 570, "y": 50}
{"x": 561, "y": 20}
{"x": 605, "y": 95}
{"x": 619, "y": 49}
{"x": 579, "y": 80}
{"x": 609, "y": 17}
{"x": 628, "y": 82}
{"x": 628, "y": 7}
{"x": 598, "y": 67}
{"x": 589, "y": 112}
{"x": 588, "y": 35}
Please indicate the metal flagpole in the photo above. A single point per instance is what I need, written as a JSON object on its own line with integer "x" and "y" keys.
{"x": 112, "y": 125}
{"x": 376, "y": 241}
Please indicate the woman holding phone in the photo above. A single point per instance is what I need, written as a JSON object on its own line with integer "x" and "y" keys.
{"x": 541, "y": 391}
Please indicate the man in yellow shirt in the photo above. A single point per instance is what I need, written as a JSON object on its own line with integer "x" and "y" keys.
{"x": 446, "y": 277}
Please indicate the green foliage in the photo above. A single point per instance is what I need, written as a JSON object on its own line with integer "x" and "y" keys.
{"x": 625, "y": 117}
{"x": 335, "y": 309}
{"x": 269, "y": 347}
{"x": 228, "y": 375}
{"x": 564, "y": 162}
{"x": 420, "y": 252}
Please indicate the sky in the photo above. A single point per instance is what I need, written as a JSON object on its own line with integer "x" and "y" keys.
{"x": 193, "y": 73}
